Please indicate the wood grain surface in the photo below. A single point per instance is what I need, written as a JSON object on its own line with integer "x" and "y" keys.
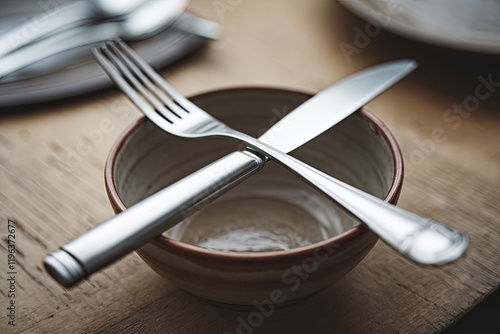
{"x": 51, "y": 181}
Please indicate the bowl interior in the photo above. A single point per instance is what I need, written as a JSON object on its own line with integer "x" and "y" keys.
{"x": 273, "y": 210}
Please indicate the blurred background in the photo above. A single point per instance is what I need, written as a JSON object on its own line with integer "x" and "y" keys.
{"x": 51, "y": 173}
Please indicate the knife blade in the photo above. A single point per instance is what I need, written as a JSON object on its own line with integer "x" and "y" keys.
{"x": 347, "y": 96}
{"x": 147, "y": 219}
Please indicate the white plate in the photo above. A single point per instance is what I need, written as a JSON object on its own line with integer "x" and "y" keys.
{"x": 470, "y": 25}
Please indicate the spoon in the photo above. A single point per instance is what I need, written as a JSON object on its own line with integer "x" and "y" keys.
{"x": 64, "y": 16}
{"x": 145, "y": 21}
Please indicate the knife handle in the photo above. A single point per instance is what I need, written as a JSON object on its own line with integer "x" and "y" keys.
{"x": 147, "y": 219}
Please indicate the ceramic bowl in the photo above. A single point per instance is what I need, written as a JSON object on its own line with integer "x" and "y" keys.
{"x": 273, "y": 238}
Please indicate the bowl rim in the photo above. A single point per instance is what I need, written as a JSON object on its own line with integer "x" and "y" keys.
{"x": 178, "y": 247}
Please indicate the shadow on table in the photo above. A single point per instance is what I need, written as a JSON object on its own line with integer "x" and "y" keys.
{"x": 168, "y": 314}
{"x": 484, "y": 318}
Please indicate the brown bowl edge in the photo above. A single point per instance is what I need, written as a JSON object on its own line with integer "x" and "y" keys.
{"x": 188, "y": 249}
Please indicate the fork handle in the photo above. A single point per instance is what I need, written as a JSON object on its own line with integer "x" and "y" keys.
{"x": 139, "y": 224}
{"x": 421, "y": 239}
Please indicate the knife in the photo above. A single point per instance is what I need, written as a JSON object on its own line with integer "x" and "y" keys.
{"x": 147, "y": 219}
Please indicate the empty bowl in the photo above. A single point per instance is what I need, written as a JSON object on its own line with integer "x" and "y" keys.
{"x": 273, "y": 238}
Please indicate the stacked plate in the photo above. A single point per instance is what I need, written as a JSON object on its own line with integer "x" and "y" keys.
{"x": 74, "y": 72}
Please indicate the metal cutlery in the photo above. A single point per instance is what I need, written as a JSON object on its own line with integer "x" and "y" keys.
{"x": 423, "y": 240}
{"x": 405, "y": 232}
{"x": 145, "y": 21}
{"x": 64, "y": 17}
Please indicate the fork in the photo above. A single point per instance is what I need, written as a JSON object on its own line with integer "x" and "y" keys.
{"x": 422, "y": 240}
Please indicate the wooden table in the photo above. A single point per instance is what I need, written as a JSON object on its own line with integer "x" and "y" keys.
{"x": 52, "y": 186}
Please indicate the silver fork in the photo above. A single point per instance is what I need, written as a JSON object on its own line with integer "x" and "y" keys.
{"x": 423, "y": 240}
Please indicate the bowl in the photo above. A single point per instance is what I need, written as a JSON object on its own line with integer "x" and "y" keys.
{"x": 273, "y": 238}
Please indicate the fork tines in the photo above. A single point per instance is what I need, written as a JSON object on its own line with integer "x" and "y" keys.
{"x": 141, "y": 83}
